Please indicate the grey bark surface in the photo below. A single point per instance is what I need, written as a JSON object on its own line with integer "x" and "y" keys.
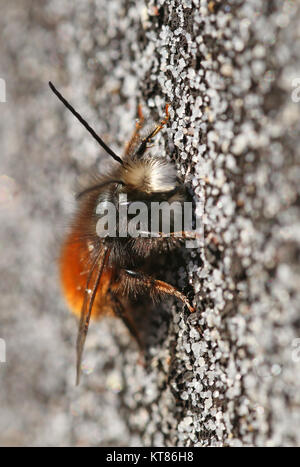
{"x": 227, "y": 375}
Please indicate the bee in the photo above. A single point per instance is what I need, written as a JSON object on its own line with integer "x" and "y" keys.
{"x": 102, "y": 275}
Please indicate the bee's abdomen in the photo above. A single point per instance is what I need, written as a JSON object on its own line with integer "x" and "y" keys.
{"x": 75, "y": 265}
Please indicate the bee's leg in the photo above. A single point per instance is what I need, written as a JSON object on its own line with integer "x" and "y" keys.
{"x": 144, "y": 143}
{"x": 156, "y": 287}
{"x": 162, "y": 237}
{"x": 189, "y": 234}
{"x": 121, "y": 313}
{"x": 138, "y": 126}
{"x": 160, "y": 126}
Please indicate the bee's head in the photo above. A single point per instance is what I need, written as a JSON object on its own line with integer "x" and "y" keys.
{"x": 140, "y": 173}
{"x": 149, "y": 175}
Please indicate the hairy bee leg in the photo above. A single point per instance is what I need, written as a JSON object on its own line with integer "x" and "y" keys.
{"x": 183, "y": 233}
{"x": 145, "y": 141}
{"x": 141, "y": 116}
{"x": 159, "y": 287}
{"x": 138, "y": 126}
{"x": 180, "y": 234}
{"x": 120, "y": 312}
{"x": 158, "y": 128}
{"x": 161, "y": 125}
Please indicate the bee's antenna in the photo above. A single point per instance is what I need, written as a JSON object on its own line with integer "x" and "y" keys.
{"x": 85, "y": 124}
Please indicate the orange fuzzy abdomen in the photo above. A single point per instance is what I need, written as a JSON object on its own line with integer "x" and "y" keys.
{"x": 75, "y": 266}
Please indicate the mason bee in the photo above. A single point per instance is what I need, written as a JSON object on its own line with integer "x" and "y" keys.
{"x": 100, "y": 274}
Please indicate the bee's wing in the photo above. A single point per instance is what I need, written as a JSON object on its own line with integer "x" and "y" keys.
{"x": 96, "y": 271}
